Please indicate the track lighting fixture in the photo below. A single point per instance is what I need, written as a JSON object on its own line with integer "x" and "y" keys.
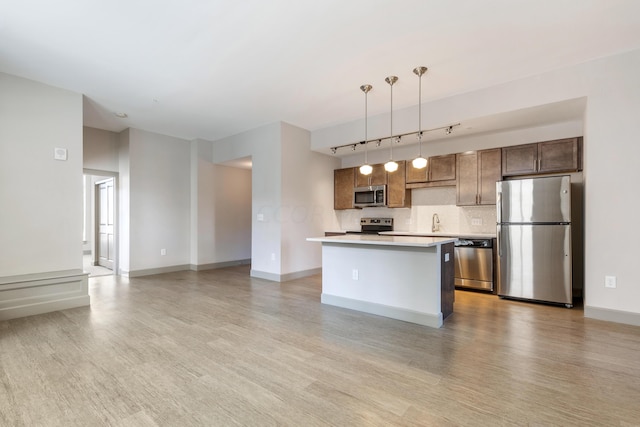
{"x": 419, "y": 162}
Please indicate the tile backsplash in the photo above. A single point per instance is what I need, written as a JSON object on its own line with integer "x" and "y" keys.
{"x": 425, "y": 202}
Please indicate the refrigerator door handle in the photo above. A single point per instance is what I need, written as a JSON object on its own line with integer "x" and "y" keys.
{"x": 499, "y": 201}
{"x": 498, "y": 240}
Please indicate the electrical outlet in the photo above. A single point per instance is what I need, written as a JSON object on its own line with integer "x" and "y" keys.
{"x": 163, "y": 252}
{"x": 610, "y": 281}
{"x": 476, "y": 221}
{"x": 273, "y": 256}
{"x": 354, "y": 274}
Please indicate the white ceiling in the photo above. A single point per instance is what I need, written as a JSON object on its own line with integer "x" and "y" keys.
{"x": 214, "y": 68}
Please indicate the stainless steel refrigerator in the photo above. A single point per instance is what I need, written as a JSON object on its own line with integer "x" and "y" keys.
{"x": 534, "y": 239}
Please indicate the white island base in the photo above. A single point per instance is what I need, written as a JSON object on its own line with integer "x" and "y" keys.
{"x": 404, "y": 278}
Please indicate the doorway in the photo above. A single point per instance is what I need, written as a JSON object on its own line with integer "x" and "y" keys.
{"x": 100, "y": 254}
{"x": 105, "y": 223}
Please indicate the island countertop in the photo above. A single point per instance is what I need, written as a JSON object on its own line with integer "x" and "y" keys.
{"x": 440, "y": 234}
{"x": 384, "y": 240}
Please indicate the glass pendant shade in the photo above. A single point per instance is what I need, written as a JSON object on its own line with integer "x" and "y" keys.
{"x": 366, "y": 169}
{"x": 419, "y": 163}
{"x": 391, "y": 166}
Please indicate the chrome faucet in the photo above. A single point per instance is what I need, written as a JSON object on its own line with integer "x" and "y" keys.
{"x": 435, "y": 223}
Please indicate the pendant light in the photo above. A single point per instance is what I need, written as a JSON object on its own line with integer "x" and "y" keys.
{"x": 419, "y": 162}
{"x": 391, "y": 166}
{"x": 365, "y": 169}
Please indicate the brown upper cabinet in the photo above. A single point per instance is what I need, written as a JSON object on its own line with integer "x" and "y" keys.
{"x": 398, "y": 195}
{"x": 476, "y": 175}
{"x": 377, "y": 177}
{"x": 343, "y": 180}
{"x": 440, "y": 171}
{"x": 561, "y": 155}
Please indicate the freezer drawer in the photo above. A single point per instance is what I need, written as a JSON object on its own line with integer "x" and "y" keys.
{"x": 534, "y": 262}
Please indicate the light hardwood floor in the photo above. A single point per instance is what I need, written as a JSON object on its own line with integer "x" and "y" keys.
{"x": 218, "y": 348}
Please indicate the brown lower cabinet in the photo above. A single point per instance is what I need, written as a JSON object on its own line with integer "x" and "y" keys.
{"x": 447, "y": 280}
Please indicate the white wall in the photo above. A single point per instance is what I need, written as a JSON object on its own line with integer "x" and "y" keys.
{"x": 307, "y": 195}
{"x": 611, "y": 151}
{"x": 100, "y": 149}
{"x": 41, "y": 214}
{"x": 611, "y": 198}
{"x": 264, "y": 147}
{"x": 221, "y": 209}
{"x": 292, "y": 190}
{"x": 159, "y": 201}
{"x": 124, "y": 196}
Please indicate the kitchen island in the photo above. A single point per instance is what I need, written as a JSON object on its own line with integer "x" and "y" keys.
{"x": 402, "y": 277}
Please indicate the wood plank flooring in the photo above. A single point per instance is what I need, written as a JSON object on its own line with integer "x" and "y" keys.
{"x": 219, "y": 348}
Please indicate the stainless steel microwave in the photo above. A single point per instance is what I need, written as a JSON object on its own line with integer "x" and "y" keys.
{"x": 373, "y": 195}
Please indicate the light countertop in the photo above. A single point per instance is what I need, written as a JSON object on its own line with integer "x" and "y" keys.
{"x": 385, "y": 240}
{"x": 440, "y": 234}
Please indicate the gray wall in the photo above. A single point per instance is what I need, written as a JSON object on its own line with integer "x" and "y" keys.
{"x": 41, "y": 215}
{"x": 159, "y": 201}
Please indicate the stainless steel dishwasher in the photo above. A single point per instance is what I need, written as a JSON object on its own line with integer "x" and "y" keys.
{"x": 474, "y": 264}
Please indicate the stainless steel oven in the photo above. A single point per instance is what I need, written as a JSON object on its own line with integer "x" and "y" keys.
{"x": 474, "y": 264}
{"x": 374, "y": 226}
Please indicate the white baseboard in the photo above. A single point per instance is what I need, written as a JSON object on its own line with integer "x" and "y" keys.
{"x": 609, "y": 315}
{"x": 159, "y": 270}
{"x": 39, "y": 293}
{"x": 216, "y": 265}
{"x": 432, "y": 320}
{"x": 285, "y": 277}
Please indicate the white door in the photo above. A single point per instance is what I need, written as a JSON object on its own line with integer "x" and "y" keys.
{"x": 105, "y": 218}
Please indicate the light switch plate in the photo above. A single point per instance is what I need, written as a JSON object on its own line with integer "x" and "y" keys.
{"x": 60, "y": 153}
{"x": 610, "y": 281}
{"x": 476, "y": 221}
